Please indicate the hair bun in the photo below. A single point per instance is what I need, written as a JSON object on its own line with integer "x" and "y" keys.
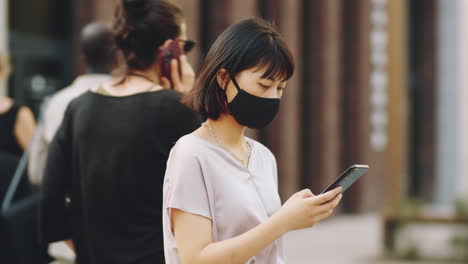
{"x": 137, "y": 8}
{"x": 134, "y": 3}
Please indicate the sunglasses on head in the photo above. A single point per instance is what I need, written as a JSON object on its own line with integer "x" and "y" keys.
{"x": 188, "y": 45}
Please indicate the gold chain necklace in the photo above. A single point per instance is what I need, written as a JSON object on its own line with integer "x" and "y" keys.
{"x": 219, "y": 142}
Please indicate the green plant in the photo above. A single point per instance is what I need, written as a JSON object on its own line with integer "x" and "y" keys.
{"x": 460, "y": 242}
{"x": 461, "y": 208}
{"x": 411, "y": 253}
{"x": 410, "y": 207}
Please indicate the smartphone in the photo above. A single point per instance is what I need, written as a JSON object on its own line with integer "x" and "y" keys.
{"x": 347, "y": 178}
{"x": 173, "y": 51}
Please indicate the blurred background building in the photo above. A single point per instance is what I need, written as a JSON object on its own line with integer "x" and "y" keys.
{"x": 378, "y": 82}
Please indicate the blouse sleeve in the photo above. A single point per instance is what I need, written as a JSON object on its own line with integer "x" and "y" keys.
{"x": 186, "y": 187}
{"x": 54, "y": 217}
{"x": 275, "y": 171}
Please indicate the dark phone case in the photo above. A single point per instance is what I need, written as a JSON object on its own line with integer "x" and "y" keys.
{"x": 350, "y": 176}
{"x": 167, "y": 54}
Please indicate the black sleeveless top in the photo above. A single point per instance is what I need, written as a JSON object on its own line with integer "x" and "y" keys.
{"x": 8, "y": 142}
{"x": 109, "y": 157}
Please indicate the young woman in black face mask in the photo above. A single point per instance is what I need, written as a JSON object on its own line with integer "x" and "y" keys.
{"x": 222, "y": 205}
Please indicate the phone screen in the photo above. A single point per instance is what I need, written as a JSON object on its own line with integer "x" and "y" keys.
{"x": 350, "y": 176}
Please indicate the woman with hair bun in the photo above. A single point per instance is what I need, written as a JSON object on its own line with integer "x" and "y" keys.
{"x": 103, "y": 180}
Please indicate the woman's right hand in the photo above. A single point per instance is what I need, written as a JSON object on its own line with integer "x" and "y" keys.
{"x": 304, "y": 209}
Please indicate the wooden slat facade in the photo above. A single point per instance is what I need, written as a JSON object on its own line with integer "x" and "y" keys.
{"x": 323, "y": 125}
{"x": 320, "y": 96}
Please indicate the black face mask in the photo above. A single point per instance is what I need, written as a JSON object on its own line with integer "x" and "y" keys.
{"x": 253, "y": 111}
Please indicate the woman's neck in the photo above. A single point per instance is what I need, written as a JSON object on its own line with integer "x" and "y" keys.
{"x": 152, "y": 75}
{"x": 136, "y": 81}
{"x": 228, "y": 130}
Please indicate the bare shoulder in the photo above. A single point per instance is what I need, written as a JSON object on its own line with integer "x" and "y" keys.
{"x": 25, "y": 115}
{"x": 5, "y": 104}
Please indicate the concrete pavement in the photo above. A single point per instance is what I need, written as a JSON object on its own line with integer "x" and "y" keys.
{"x": 344, "y": 239}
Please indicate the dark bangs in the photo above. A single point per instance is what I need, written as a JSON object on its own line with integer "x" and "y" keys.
{"x": 270, "y": 54}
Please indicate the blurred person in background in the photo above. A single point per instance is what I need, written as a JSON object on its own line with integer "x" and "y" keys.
{"x": 221, "y": 201}
{"x": 17, "y": 123}
{"x": 98, "y": 49}
{"x": 103, "y": 180}
{"x": 17, "y": 127}
{"x": 98, "y": 53}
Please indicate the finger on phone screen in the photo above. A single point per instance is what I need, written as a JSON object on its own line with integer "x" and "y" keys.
{"x": 328, "y": 196}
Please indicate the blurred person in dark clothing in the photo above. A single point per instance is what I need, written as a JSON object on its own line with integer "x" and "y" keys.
{"x": 103, "y": 180}
{"x": 16, "y": 121}
{"x": 98, "y": 49}
{"x": 16, "y": 130}
{"x": 99, "y": 56}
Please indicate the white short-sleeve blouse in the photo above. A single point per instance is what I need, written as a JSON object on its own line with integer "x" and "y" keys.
{"x": 203, "y": 178}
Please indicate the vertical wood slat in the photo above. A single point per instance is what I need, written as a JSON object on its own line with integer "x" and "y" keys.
{"x": 213, "y": 21}
{"x": 366, "y": 194}
{"x": 396, "y": 178}
{"x": 282, "y": 137}
{"x": 424, "y": 80}
{"x": 84, "y": 14}
{"x": 192, "y": 20}
{"x": 320, "y": 95}
{"x": 288, "y": 134}
{"x": 105, "y": 10}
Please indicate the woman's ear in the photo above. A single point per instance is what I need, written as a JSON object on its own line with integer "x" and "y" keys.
{"x": 222, "y": 77}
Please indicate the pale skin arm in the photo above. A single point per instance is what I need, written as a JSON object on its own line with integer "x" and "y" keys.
{"x": 195, "y": 243}
{"x": 24, "y": 127}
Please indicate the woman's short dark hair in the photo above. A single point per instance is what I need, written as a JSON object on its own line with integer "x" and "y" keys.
{"x": 250, "y": 43}
{"x": 142, "y": 26}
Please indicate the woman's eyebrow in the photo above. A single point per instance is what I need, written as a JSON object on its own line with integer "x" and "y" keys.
{"x": 268, "y": 78}
{"x": 272, "y": 79}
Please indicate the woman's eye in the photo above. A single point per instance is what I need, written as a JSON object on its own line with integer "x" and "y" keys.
{"x": 265, "y": 86}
